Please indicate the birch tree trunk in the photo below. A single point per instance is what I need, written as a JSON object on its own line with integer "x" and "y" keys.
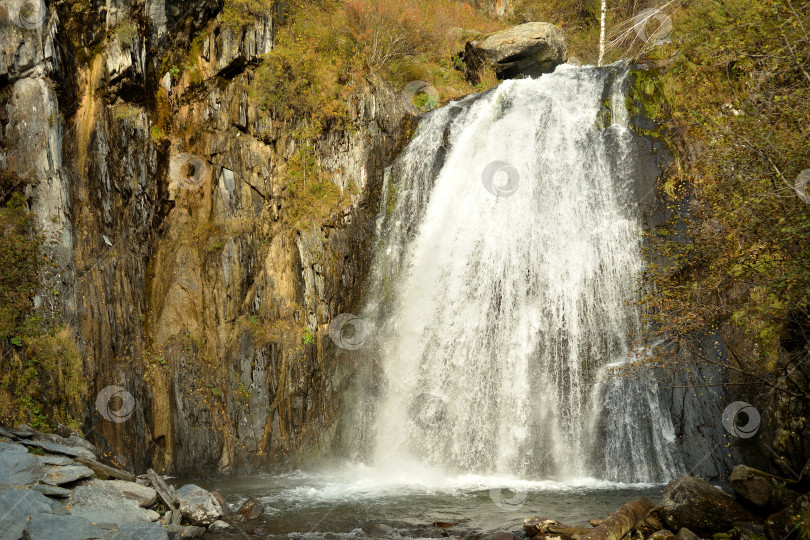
{"x": 602, "y": 34}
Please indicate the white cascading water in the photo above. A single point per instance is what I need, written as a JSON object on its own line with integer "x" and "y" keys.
{"x": 499, "y": 314}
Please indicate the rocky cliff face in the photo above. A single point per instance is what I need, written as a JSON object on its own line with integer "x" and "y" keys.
{"x": 162, "y": 197}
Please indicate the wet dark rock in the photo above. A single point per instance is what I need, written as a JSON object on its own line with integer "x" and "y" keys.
{"x": 782, "y": 524}
{"x": 18, "y": 466}
{"x": 198, "y": 505}
{"x": 663, "y": 534}
{"x": 697, "y": 505}
{"x": 762, "y": 489}
{"x": 686, "y": 534}
{"x": 748, "y": 531}
{"x": 56, "y": 476}
{"x": 53, "y": 527}
{"x": 250, "y": 509}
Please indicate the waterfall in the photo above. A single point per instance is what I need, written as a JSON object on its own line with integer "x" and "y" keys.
{"x": 507, "y": 260}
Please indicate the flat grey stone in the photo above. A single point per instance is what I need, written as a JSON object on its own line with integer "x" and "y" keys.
{"x": 140, "y": 531}
{"x": 56, "y": 448}
{"x": 146, "y": 496}
{"x": 18, "y": 504}
{"x": 56, "y": 476}
{"x": 7, "y": 434}
{"x": 11, "y": 530}
{"x": 51, "y": 491}
{"x": 19, "y": 467}
{"x": 55, "y": 460}
{"x": 8, "y": 446}
{"x": 24, "y": 431}
{"x": 105, "y": 506}
{"x": 52, "y": 527}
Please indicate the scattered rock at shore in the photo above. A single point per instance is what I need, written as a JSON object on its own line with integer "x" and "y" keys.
{"x": 250, "y": 509}
{"x": 699, "y": 506}
{"x": 53, "y": 488}
{"x": 198, "y": 505}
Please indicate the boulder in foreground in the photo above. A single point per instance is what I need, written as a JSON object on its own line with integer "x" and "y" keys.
{"x": 699, "y": 506}
{"x": 198, "y": 505}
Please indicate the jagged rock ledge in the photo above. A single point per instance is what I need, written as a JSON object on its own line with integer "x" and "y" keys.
{"x": 52, "y": 486}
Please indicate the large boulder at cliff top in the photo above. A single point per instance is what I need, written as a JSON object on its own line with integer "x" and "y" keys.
{"x": 762, "y": 489}
{"x": 198, "y": 505}
{"x": 529, "y": 49}
{"x": 699, "y": 506}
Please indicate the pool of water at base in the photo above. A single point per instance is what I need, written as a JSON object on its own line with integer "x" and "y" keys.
{"x": 338, "y": 503}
